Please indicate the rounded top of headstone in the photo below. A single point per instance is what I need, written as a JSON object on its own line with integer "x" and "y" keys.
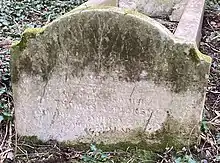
{"x": 108, "y": 42}
{"x": 116, "y": 13}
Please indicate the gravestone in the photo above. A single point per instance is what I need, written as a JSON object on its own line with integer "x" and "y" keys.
{"x": 108, "y": 75}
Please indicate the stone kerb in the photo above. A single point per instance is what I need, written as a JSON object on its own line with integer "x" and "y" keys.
{"x": 106, "y": 74}
{"x": 190, "y": 25}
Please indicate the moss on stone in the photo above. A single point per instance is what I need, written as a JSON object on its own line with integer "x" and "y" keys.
{"x": 171, "y": 67}
{"x": 17, "y": 49}
{"x": 28, "y": 34}
{"x": 202, "y": 56}
{"x": 31, "y": 139}
{"x": 169, "y": 136}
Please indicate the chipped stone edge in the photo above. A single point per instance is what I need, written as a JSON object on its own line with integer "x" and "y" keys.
{"x": 86, "y": 5}
{"x": 27, "y": 34}
{"x": 201, "y": 56}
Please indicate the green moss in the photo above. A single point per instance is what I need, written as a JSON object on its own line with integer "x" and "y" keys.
{"x": 146, "y": 148}
{"x": 31, "y": 140}
{"x": 19, "y": 46}
{"x": 153, "y": 50}
{"x": 29, "y": 33}
{"x": 19, "y": 61}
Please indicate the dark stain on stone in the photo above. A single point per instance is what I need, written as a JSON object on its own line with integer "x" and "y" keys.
{"x": 110, "y": 42}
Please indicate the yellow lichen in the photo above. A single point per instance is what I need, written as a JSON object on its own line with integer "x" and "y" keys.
{"x": 33, "y": 31}
{"x": 27, "y": 34}
{"x": 202, "y": 56}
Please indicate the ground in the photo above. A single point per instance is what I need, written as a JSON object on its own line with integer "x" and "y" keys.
{"x": 15, "y": 16}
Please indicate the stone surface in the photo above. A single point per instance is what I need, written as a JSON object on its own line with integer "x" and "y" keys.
{"x": 99, "y": 3}
{"x": 178, "y": 10}
{"x": 161, "y": 8}
{"x": 189, "y": 27}
{"x": 105, "y": 74}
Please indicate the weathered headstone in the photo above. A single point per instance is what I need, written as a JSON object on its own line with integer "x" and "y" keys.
{"x": 110, "y": 75}
{"x": 159, "y": 8}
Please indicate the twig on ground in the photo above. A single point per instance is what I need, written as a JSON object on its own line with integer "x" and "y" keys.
{"x": 210, "y": 25}
{"x": 18, "y": 26}
{"x": 48, "y": 20}
{"x": 5, "y": 152}
{"x": 216, "y": 102}
{"x": 5, "y": 136}
{"x": 211, "y": 47}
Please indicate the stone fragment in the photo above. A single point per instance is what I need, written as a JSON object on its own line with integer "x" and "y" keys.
{"x": 156, "y": 8}
{"x": 108, "y": 75}
{"x": 99, "y": 3}
{"x": 178, "y": 10}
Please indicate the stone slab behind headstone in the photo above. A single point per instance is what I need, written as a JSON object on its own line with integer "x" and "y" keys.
{"x": 189, "y": 28}
{"x": 105, "y": 74}
{"x": 99, "y": 3}
{"x": 157, "y": 8}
